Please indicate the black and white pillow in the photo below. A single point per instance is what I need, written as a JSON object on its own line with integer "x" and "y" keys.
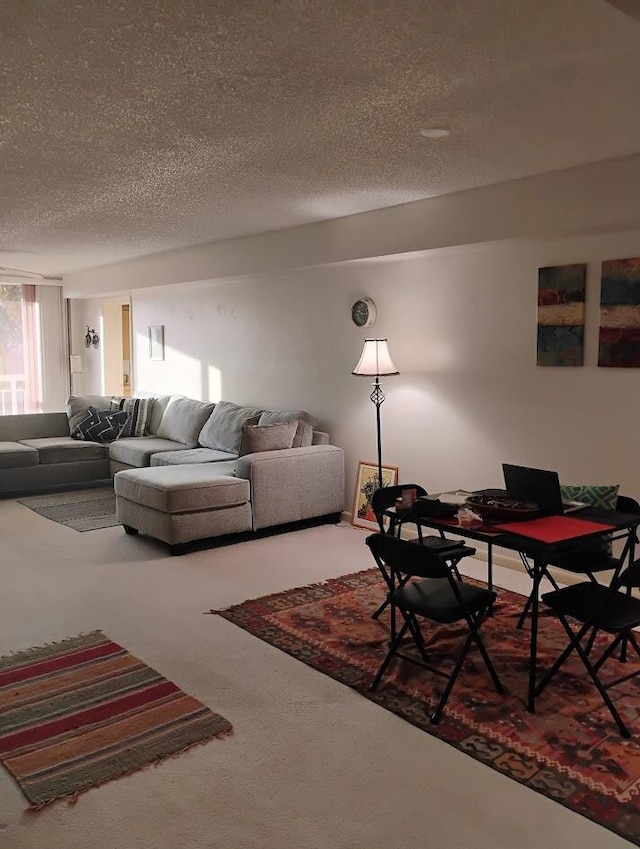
{"x": 138, "y": 412}
{"x": 101, "y": 425}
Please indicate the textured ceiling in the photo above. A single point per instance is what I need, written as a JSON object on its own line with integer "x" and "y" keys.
{"x": 137, "y": 126}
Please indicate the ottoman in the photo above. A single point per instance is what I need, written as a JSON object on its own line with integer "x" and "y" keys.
{"x": 179, "y": 504}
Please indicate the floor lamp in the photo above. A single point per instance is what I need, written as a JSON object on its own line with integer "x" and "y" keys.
{"x": 376, "y": 361}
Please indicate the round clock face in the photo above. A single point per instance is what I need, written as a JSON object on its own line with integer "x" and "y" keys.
{"x": 363, "y": 312}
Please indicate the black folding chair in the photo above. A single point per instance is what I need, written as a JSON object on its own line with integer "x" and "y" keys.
{"x": 590, "y": 559}
{"x": 596, "y": 607}
{"x": 384, "y": 498}
{"x": 439, "y": 597}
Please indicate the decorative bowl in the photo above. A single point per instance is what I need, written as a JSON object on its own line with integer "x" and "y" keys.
{"x": 501, "y": 508}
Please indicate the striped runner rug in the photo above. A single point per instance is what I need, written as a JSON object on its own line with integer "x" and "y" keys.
{"x": 83, "y": 711}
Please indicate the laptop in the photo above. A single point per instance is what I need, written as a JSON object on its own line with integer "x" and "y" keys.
{"x": 540, "y": 487}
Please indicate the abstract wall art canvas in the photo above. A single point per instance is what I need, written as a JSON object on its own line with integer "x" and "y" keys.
{"x": 620, "y": 314}
{"x": 561, "y": 293}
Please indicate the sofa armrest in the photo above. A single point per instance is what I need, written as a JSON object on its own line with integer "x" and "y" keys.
{"x": 320, "y": 438}
{"x": 294, "y": 484}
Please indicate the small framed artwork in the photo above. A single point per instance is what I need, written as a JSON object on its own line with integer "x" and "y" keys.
{"x": 156, "y": 342}
{"x": 362, "y": 515}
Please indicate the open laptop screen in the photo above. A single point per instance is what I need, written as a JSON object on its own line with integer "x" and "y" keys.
{"x": 540, "y": 486}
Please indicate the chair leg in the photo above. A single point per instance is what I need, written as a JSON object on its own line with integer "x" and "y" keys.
{"x": 631, "y": 640}
{"x": 561, "y": 660}
{"x": 606, "y": 654}
{"x": 380, "y": 609}
{"x": 474, "y": 637}
{"x": 437, "y": 713}
{"x": 488, "y": 663}
{"x": 392, "y": 650}
{"x": 576, "y": 645}
{"x": 418, "y": 639}
{"x": 624, "y": 731}
{"x": 525, "y": 611}
{"x": 529, "y": 601}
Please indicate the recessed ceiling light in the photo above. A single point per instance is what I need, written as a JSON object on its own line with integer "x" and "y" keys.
{"x": 434, "y": 133}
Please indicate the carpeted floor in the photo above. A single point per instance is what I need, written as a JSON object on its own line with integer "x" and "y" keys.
{"x": 311, "y": 763}
{"x": 570, "y": 750}
{"x": 80, "y": 509}
{"x": 78, "y": 713}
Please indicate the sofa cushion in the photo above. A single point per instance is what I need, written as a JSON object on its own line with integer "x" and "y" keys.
{"x": 101, "y": 425}
{"x": 272, "y": 437}
{"x": 138, "y": 412}
{"x": 223, "y": 430}
{"x": 64, "y": 449}
{"x": 33, "y": 426}
{"x": 306, "y": 424}
{"x": 137, "y": 451}
{"x": 78, "y": 407}
{"x": 183, "y": 420}
{"x": 160, "y": 404}
{"x": 15, "y": 455}
{"x": 191, "y": 455}
{"x": 180, "y": 489}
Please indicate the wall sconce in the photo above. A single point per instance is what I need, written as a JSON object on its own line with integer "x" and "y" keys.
{"x": 91, "y": 338}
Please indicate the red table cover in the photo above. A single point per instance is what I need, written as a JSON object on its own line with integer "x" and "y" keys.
{"x": 553, "y": 528}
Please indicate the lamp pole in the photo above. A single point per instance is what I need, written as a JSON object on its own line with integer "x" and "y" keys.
{"x": 375, "y": 361}
{"x": 377, "y": 396}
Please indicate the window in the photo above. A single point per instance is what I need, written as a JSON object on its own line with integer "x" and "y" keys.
{"x": 19, "y": 368}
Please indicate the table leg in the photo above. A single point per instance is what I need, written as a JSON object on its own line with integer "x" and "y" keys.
{"x": 538, "y": 572}
{"x": 490, "y": 572}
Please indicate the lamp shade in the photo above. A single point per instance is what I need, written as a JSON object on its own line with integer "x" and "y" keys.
{"x": 375, "y": 359}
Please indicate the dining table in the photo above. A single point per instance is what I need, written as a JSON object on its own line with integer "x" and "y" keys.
{"x": 541, "y": 540}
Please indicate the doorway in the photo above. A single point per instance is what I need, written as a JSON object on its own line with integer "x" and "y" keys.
{"x": 116, "y": 317}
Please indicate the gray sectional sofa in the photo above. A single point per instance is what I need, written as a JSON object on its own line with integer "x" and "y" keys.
{"x": 231, "y": 456}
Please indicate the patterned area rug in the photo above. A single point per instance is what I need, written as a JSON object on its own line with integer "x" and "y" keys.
{"x": 81, "y": 712}
{"x": 570, "y": 750}
{"x": 80, "y": 509}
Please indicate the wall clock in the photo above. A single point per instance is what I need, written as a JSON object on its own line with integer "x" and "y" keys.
{"x": 363, "y": 312}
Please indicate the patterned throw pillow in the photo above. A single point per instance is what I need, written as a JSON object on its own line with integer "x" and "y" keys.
{"x": 601, "y": 496}
{"x": 139, "y": 414}
{"x": 101, "y": 425}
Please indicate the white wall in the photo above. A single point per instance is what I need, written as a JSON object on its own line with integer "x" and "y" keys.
{"x": 462, "y": 330}
{"x": 83, "y": 314}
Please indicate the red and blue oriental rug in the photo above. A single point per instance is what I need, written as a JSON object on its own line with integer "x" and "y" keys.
{"x": 570, "y": 750}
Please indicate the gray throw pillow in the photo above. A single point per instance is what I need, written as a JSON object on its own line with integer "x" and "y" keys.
{"x": 78, "y": 407}
{"x": 223, "y": 430}
{"x": 306, "y": 424}
{"x": 160, "y": 404}
{"x": 273, "y": 437}
{"x": 183, "y": 419}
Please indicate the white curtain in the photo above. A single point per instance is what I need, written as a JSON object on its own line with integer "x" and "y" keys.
{"x": 54, "y": 348}
{"x": 34, "y": 371}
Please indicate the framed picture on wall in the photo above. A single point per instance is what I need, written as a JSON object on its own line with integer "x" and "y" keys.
{"x": 156, "y": 342}
{"x": 362, "y": 516}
